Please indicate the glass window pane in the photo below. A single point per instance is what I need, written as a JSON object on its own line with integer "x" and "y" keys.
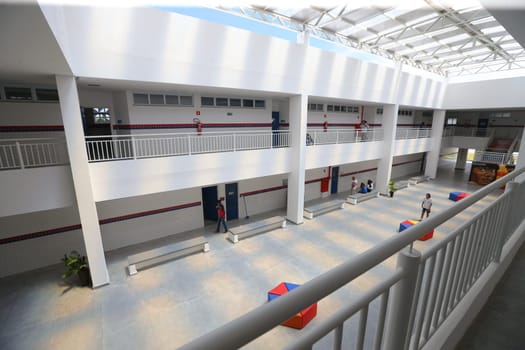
{"x": 207, "y": 101}
{"x": 259, "y": 103}
{"x": 235, "y": 102}
{"x": 46, "y": 94}
{"x": 247, "y": 103}
{"x": 221, "y": 102}
{"x": 186, "y": 100}
{"x": 140, "y": 99}
{"x": 172, "y": 100}
{"x": 20, "y": 94}
{"x": 155, "y": 99}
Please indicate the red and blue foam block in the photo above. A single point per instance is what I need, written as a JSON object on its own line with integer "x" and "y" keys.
{"x": 456, "y": 196}
{"x": 300, "y": 319}
{"x": 407, "y": 223}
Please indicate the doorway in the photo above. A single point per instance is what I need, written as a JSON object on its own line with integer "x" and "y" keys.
{"x": 335, "y": 179}
{"x": 275, "y": 128}
{"x": 232, "y": 201}
{"x": 209, "y": 200}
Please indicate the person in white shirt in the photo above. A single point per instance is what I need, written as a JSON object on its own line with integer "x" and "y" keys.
{"x": 426, "y": 205}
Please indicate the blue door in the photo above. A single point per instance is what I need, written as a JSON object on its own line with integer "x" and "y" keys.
{"x": 275, "y": 128}
{"x": 209, "y": 200}
{"x": 335, "y": 179}
{"x": 232, "y": 201}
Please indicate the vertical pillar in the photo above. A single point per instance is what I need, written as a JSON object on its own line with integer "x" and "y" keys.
{"x": 521, "y": 157}
{"x": 384, "y": 167}
{"x": 461, "y": 160}
{"x": 298, "y": 119}
{"x": 398, "y": 322}
{"x": 438, "y": 120}
{"x": 70, "y": 109}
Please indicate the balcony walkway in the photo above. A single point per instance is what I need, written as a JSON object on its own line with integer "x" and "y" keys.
{"x": 166, "y": 306}
{"x": 499, "y": 325}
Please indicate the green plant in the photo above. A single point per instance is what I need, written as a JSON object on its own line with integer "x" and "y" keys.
{"x": 392, "y": 186}
{"x": 75, "y": 263}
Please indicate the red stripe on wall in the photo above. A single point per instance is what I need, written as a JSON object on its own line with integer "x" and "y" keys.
{"x": 26, "y": 128}
{"x": 186, "y": 125}
{"x": 57, "y": 230}
{"x": 269, "y": 189}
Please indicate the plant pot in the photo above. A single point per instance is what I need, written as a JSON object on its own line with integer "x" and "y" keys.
{"x": 391, "y": 194}
{"x": 84, "y": 277}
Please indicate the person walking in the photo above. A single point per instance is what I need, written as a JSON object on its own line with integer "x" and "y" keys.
{"x": 221, "y": 217}
{"x": 426, "y": 205}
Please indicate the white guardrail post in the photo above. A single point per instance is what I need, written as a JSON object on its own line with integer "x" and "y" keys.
{"x": 398, "y": 321}
{"x": 19, "y": 153}
{"x": 511, "y": 187}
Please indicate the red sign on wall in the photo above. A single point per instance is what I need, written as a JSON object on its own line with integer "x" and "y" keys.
{"x": 197, "y": 112}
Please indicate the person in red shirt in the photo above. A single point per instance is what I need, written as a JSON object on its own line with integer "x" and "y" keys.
{"x": 221, "y": 217}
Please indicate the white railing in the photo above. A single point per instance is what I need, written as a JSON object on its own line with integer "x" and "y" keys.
{"x": 118, "y": 147}
{"x": 467, "y": 131}
{"x": 32, "y": 153}
{"x": 413, "y": 302}
{"x": 322, "y": 137}
{"x": 491, "y": 157}
{"x": 413, "y": 133}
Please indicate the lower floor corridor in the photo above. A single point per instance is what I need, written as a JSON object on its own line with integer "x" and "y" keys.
{"x": 166, "y": 306}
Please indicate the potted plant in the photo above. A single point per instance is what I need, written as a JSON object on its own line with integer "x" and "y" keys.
{"x": 76, "y": 264}
{"x": 391, "y": 188}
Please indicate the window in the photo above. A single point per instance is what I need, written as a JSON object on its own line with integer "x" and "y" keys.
{"x": 18, "y": 94}
{"x": 319, "y": 107}
{"x": 186, "y": 100}
{"x": 259, "y": 104}
{"x": 337, "y": 108}
{"x": 379, "y": 110}
{"x": 452, "y": 121}
{"x": 172, "y": 100}
{"x": 247, "y": 103}
{"x": 155, "y": 99}
{"x": 221, "y": 102}
{"x": 101, "y": 115}
{"x": 343, "y": 109}
{"x": 207, "y": 101}
{"x": 235, "y": 102}
{"x": 356, "y": 109}
{"x": 329, "y": 108}
{"x": 140, "y": 99}
{"x": 499, "y": 115}
{"x": 46, "y": 94}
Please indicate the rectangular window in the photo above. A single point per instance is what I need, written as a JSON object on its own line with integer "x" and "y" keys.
{"x": 247, "y": 103}
{"x": 452, "y": 121}
{"x": 312, "y": 107}
{"x": 46, "y": 94}
{"x": 356, "y": 109}
{"x": 337, "y": 108}
{"x": 329, "y": 108}
{"x": 186, "y": 100}
{"x": 207, "y": 101}
{"x": 235, "y": 102}
{"x": 343, "y": 109}
{"x": 259, "y": 104}
{"x": 18, "y": 94}
{"x": 101, "y": 115}
{"x": 156, "y": 99}
{"x": 379, "y": 111}
{"x": 172, "y": 100}
{"x": 319, "y": 107}
{"x": 140, "y": 99}
{"x": 221, "y": 102}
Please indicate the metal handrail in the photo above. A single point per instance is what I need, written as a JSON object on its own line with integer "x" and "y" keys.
{"x": 257, "y": 322}
{"x": 319, "y": 136}
{"x": 413, "y": 133}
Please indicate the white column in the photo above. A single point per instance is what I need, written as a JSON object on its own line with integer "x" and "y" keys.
{"x": 298, "y": 119}
{"x": 438, "y": 121}
{"x": 384, "y": 167}
{"x": 461, "y": 159}
{"x": 521, "y": 157}
{"x": 70, "y": 109}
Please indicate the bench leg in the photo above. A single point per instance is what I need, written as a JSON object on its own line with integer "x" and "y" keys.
{"x": 206, "y": 247}
{"x": 308, "y": 215}
{"x": 233, "y": 237}
{"x": 132, "y": 270}
{"x": 283, "y": 225}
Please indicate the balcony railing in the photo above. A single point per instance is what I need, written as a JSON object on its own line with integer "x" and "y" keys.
{"x": 322, "y": 137}
{"x": 467, "y": 131}
{"x": 412, "y": 133}
{"x": 119, "y": 147}
{"x": 32, "y": 153}
{"x": 405, "y": 309}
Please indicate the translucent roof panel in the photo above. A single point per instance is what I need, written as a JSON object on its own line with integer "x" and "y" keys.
{"x": 451, "y": 38}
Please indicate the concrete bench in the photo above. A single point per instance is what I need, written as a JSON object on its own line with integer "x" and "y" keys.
{"x": 253, "y": 228}
{"x": 402, "y": 184}
{"x": 417, "y": 179}
{"x": 162, "y": 254}
{"x": 360, "y": 197}
{"x": 322, "y": 208}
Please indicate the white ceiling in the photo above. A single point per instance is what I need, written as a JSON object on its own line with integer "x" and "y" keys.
{"x": 449, "y": 38}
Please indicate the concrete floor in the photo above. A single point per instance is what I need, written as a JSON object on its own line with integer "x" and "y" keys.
{"x": 168, "y": 305}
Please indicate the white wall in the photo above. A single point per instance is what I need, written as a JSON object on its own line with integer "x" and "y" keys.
{"x": 30, "y": 114}
{"x": 36, "y": 189}
{"x": 151, "y": 45}
{"x": 262, "y": 202}
{"x": 325, "y": 155}
{"x": 411, "y": 146}
{"x": 405, "y": 170}
{"x": 497, "y": 93}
